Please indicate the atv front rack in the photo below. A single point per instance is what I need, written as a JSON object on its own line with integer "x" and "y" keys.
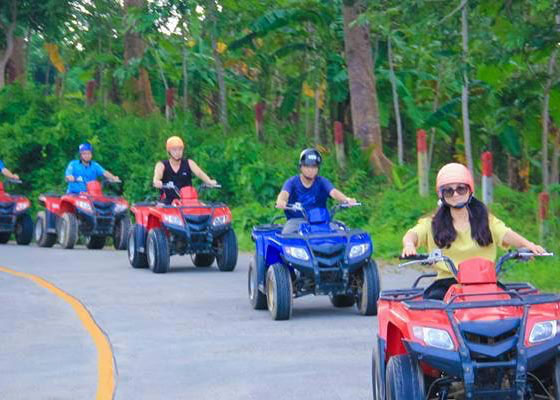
{"x": 464, "y": 362}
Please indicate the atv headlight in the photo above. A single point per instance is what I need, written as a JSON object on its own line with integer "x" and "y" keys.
{"x": 434, "y": 337}
{"x": 173, "y": 219}
{"x": 358, "y": 250}
{"x": 22, "y": 205}
{"x": 120, "y": 208}
{"x": 543, "y": 331}
{"x": 221, "y": 220}
{"x": 297, "y": 252}
{"x": 84, "y": 205}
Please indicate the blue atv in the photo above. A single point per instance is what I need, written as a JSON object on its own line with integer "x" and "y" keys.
{"x": 322, "y": 257}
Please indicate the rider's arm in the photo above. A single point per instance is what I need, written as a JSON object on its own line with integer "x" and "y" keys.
{"x": 158, "y": 175}
{"x": 410, "y": 243}
{"x": 201, "y": 174}
{"x": 341, "y": 197}
{"x": 514, "y": 239}
{"x": 282, "y": 199}
{"x": 69, "y": 173}
{"x": 110, "y": 176}
{"x": 416, "y": 237}
{"x": 8, "y": 174}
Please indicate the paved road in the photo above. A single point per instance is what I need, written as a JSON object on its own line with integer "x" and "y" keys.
{"x": 188, "y": 334}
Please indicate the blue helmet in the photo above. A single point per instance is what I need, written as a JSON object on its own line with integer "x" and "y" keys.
{"x": 85, "y": 147}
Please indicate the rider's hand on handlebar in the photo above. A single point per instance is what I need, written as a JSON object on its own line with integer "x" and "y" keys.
{"x": 212, "y": 182}
{"x": 409, "y": 249}
{"x": 158, "y": 184}
{"x": 281, "y": 204}
{"x": 536, "y": 249}
{"x": 350, "y": 200}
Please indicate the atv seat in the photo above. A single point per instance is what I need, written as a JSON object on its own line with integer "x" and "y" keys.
{"x": 267, "y": 228}
{"x": 439, "y": 287}
{"x": 146, "y": 204}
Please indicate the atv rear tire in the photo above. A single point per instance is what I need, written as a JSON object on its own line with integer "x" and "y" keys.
{"x": 157, "y": 250}
{"x": 42, "y": 237}
{"x": 227, "y": 251}
{"x": 404, "y": 379}
{"x": 135, "y": 257}
{"x": 367, "y": 297}
{"x": 95, "y": 242}
{"x": 342, "y": 300}
{"x": 5, "y": 237}
{"x": 203, "y": 260}
{"x": 68, "y": 231}
{"x": 24, "y": 229}
{"x": 120, "y": 232}
{"x": 256, "y": 297}
{"x": 279, "y": 292}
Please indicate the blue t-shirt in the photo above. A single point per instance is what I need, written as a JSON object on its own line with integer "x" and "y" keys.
{"x": 88, "y": 173}
{"x": 315, "y": 196}
{"x": 2, "y": 166}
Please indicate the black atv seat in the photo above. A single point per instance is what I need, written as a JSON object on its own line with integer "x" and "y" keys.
{"x": 267, "y": 227}
{"x": 146, "y": 204}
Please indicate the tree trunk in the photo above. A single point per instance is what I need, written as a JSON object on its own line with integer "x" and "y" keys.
{"x": 400, "y": 150}
{"x": 434, "y": 109}
{"x": 316, "y": 118}
{"x": 465, "y": 91}
{"x": 555, "y": 171}
{"x": 546, "y": 119}
{"x": 15, "y": 69}
{"x": 185, "y": 81}
{"x": 219, "y": 65}
{"x": 8, "y": 31}
{"x": 363, "y": 93}
{"x": 134, "y": 48}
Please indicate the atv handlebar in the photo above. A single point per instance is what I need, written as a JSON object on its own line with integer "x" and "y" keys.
{"x": 14, "y": 181}
{"x": 436, "y": 256}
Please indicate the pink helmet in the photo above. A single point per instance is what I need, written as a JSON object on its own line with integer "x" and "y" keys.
{"x": 454, "y": 173}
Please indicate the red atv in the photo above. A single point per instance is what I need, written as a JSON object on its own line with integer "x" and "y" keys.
{"x": 472, "y": 337}
{"x": 187, "y": 226}
{"x": 14, "y": 217}
{"x": 92, "y": 214}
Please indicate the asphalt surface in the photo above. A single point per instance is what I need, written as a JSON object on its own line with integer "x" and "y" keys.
{"x": 187, "y": 334}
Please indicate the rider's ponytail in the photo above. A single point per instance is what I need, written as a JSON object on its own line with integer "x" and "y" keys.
{"x": 444, "y": 232}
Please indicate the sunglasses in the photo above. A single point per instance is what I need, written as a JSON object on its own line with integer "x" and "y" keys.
{"x": 448, "y": 192}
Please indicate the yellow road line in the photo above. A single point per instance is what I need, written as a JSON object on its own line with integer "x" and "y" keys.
{"x": 105, "y": 365}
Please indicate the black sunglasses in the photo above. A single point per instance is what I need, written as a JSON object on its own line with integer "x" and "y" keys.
{"x": 461, "y": 190}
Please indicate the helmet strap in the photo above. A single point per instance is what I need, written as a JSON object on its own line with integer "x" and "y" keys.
{"x": 457, "y": 206}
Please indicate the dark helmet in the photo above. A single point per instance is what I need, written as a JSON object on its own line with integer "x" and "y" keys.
{"x": 85, "y": 147}
{"x": 310, "y": 158}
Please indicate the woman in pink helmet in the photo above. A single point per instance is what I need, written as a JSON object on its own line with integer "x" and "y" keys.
{"x": 462, "y": 226}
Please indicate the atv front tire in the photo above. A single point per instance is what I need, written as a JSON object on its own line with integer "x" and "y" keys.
{"x": 404, "y": 379}
{"x": 227, "y": 251}
{"x": 24, "y": 229}
{"x": 157, "y": 249}
{"x": 42, "y": 237}
{"x": 279, "y": 292}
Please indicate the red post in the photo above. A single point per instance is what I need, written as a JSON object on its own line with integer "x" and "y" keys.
{"x": 170, "y": 97}
{"x": 259, "y": 117}
{"x": 487, "y": 180}
{"x": 544, "y": 202}
{"x": 339, "y": 143}
{"x": 169, "y": 102}
{"x": 90, "y": 92}
{"x": 422, "y": 151}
